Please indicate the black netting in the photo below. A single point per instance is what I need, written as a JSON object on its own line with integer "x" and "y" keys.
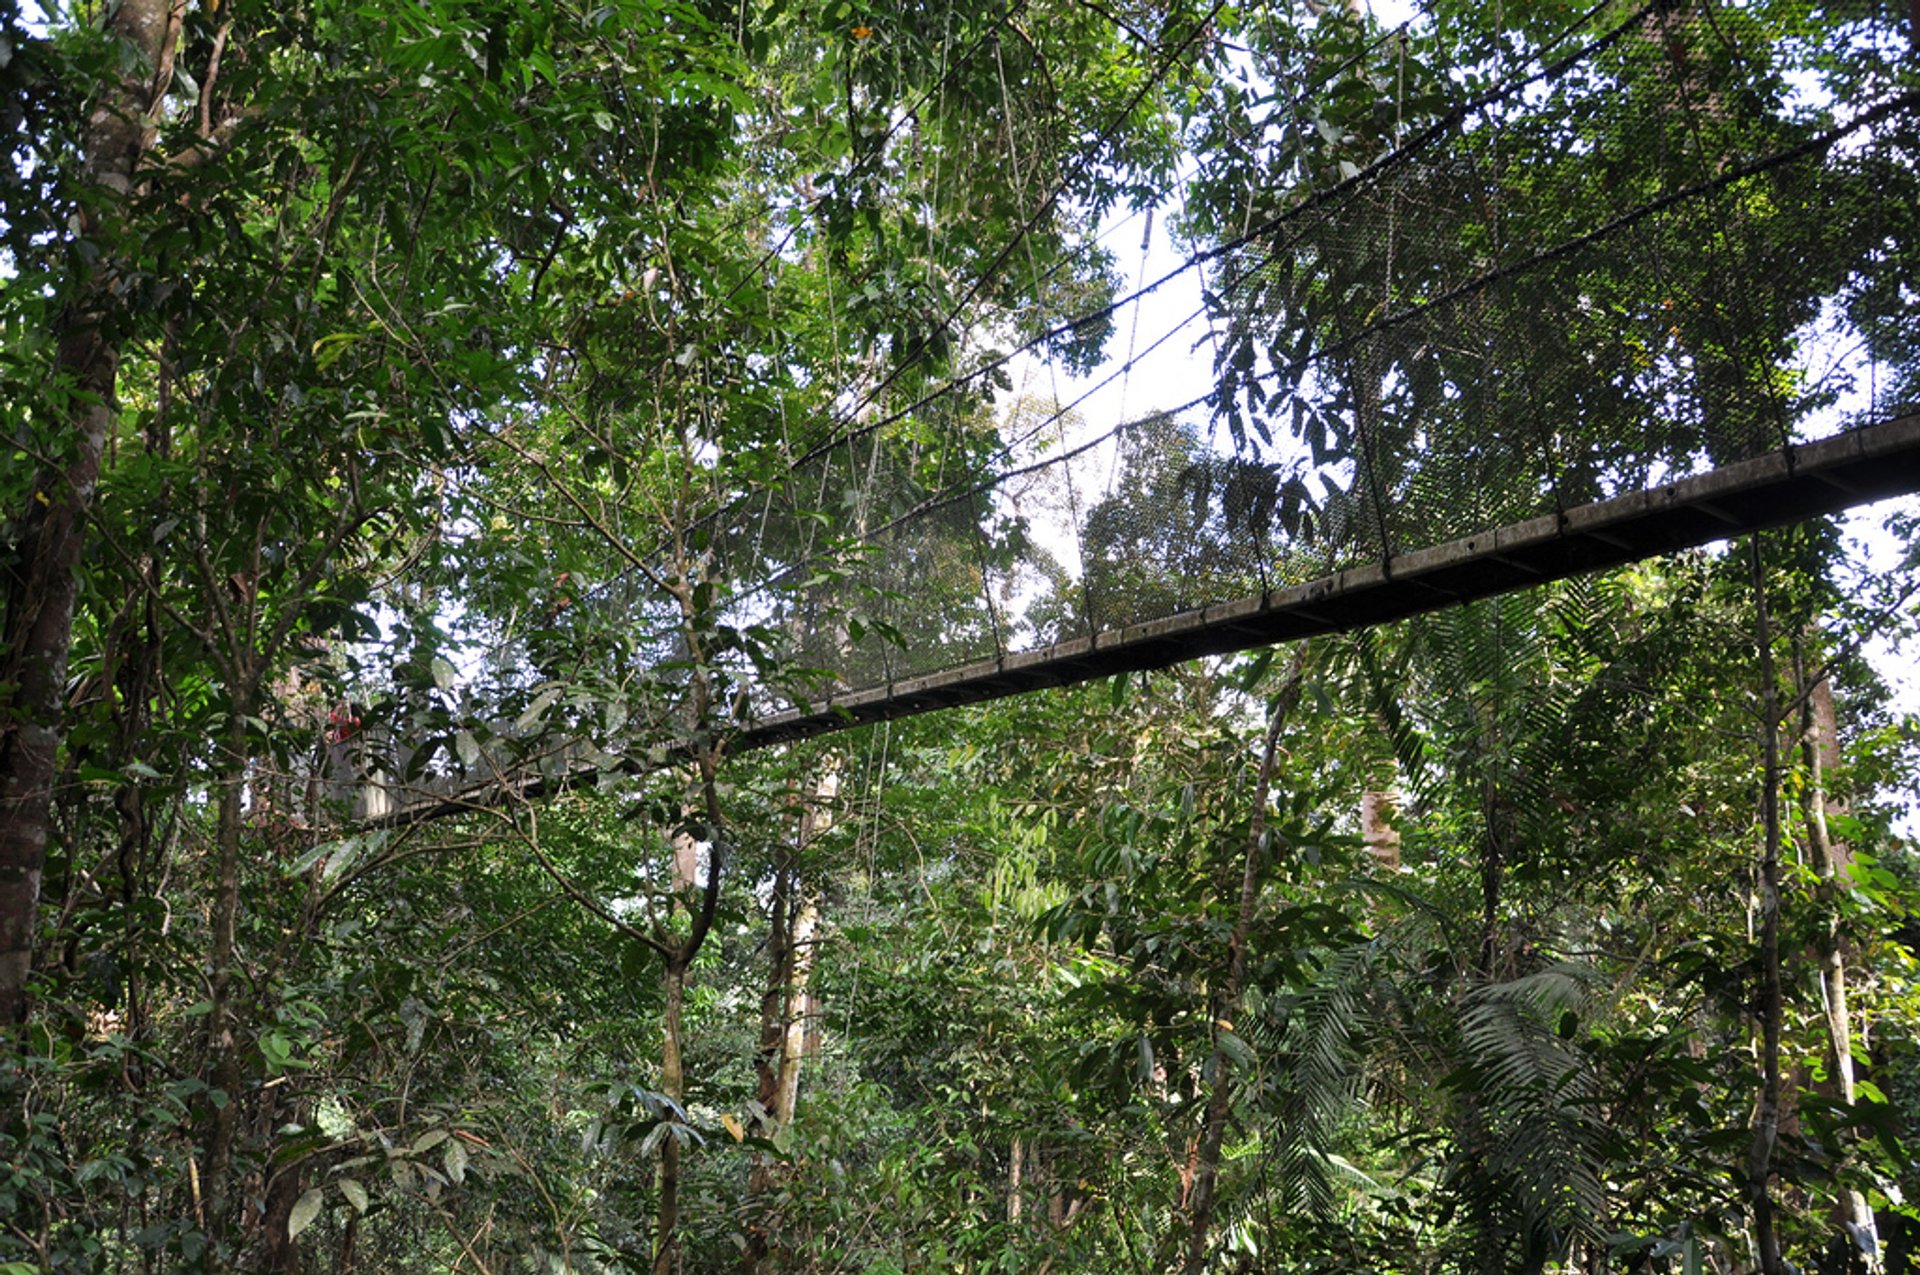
{"x": 1664, "y": 240}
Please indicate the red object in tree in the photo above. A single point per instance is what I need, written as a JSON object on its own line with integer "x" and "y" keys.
{"x": 342, "y": 724}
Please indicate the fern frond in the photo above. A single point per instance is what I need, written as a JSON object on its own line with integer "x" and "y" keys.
{"x": 1536, "y": 1093}
{"x": 1320, "y": 1084}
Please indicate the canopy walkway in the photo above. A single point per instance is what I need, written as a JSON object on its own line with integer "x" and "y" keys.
{"x": 1787, "y": 486}
{"x": 1790, "y": 485}
{"x": 1632, "y": 288}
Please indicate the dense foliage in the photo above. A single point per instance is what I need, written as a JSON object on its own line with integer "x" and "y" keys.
{"x": 383, "y": 385}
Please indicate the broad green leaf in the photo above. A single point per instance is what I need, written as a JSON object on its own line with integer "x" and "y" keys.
{"x": 305, "y": 1209}
{"x": 536, "y": 710}
{"x": 306, "y": 861}
{"x": 456, "y": 1159}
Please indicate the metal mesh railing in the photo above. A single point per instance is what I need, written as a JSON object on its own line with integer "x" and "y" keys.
{"x": 1649, "y": 246}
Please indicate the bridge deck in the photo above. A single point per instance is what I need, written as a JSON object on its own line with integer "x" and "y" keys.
{"x": 1781, "y": 487}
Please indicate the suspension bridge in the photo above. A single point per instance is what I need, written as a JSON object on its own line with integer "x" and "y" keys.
{"x": 1791, "y": 485}
{"x": 1639, "y": 291}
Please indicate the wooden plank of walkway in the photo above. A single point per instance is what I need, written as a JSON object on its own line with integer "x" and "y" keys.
{"x": 1781, "y": 487}
{"x": 1785, "y": 486}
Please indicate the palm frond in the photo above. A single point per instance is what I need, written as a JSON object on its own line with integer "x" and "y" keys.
{"x": 1539, "y": 1144}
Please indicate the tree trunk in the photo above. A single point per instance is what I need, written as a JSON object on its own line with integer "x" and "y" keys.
{"x": 1220, "y": 1101}
{"x": 1766, "y": 1119}
{"x": 222, "y": 1023}
{"x": 1496, "y": 817}
{"x": 799, "y": 1007}
{"x": 1015, "y": 1152}
{"x": 40, "y": 587}
{"x": 1820, "y": 750}
{"x": 679, "y": 959}
{"x": 673, "y": 1083}
{"x": 282, "y": 1255}
{"x": 686, "y": 862}
{"x": 773, "y": 997}
{"x": 1378, "y": 809}
{"x": 344, "y": 1264}
{"x": 785, "y": 1007}
{"x": 767, "y": 1062}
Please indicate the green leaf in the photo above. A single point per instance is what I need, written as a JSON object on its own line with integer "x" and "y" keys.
{"x": 300, "y": 865}
{"x": 355, "y": 1193}
{"x": 305, "y": 1209}
{"x": 328, "y": 349}
{"x": 1236, "y": 1050}
{"x": 456, "y": 1161}
{"x": 351, "y": 851}
{"x": 536, "y": 710}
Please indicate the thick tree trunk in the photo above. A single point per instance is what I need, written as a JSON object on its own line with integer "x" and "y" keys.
{"x": 798, "y": 1009}
{"x": 1378, "y": 810}
{"x": 773, "y": 997}
{"x": 225, "y": 1052}
{"x": 798, "y": 946}
{"x": 1213, "y": 1128}
{"x": 785, "y": 1007}
{"x": 282, "y": 1251}
{"x": 1820, "y": 750}
{"x": 40, "y": 586}
{"x": 1015, "y": 1202}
